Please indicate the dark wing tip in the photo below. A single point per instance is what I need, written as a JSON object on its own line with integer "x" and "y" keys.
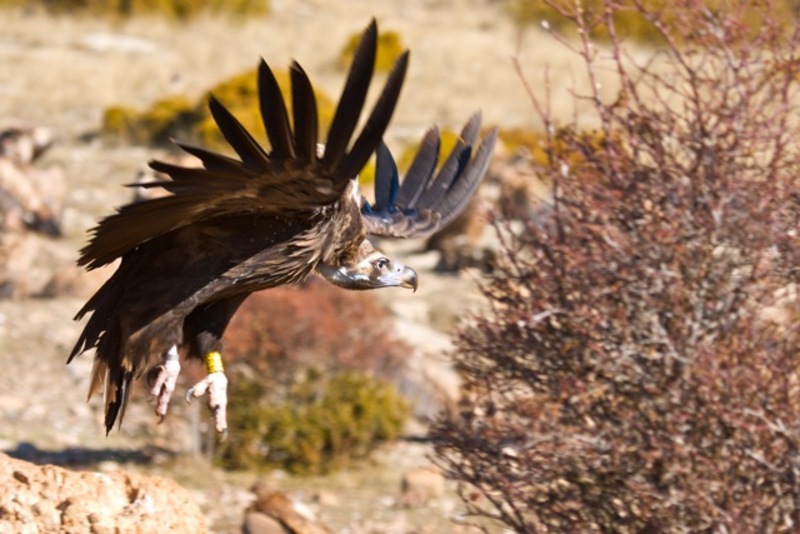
{"x": 444, "y": 196}
{"x": 115, "y": 409}
{"x": 470, "y": 131}
{"x": 372, "y": 133}
{"x": 448, "y": 173}
{"x": 421, "y": 169}
{"x": 372, "y": 27}
{"x": 252, "y": 154}
{"x": 274, "y": 114}
{"x": 353, "y": 96}
{"x": 304, "y": 109}
{"x": 387, "y": 180}
{"x": 462, "y": 190}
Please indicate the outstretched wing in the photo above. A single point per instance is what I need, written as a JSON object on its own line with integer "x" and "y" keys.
{"x": 290, "y": 179}
{"x": 427, "y": 200}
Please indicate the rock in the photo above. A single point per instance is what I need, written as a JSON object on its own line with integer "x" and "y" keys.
{"x": 23, "y": 143}
{"x": 258, "y": 523}
{"x": 48, "y": 498}
{"x": 420, "y": 485}
{"x": 114, "y": 42}
{"x": 73, "y": 281}
{"x": 30, "y": 197}
{"x": 293, "y": 517}
{"x": 326, "y": 498}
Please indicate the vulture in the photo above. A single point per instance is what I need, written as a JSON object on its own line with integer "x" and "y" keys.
{"x": 263, "y": 219}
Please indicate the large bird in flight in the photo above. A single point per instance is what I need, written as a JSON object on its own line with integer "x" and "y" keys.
{"x": 235, "y": 226}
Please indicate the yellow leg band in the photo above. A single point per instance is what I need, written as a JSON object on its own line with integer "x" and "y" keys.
{"x": 214, "y": 362}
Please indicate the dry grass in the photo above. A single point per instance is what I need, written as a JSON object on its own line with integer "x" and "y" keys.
{"x": 461, "y": 61}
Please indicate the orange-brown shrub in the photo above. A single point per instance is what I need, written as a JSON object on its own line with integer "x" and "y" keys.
{"x": 176, "y": 117}
{"x": 317, "y": 324}
{"x": 309, "y": 369}
{"x": 639, "y": 370}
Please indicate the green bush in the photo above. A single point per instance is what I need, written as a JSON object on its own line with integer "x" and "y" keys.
{"x": 324, "y": 422}
{"x": 177, "y": 117}
{"x": 308, "y": 368}
{"x": 172, "y": 117}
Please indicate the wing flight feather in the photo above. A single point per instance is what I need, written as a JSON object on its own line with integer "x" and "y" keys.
{"x": 253, "y": 156}
{"x": 373, "y": 130}
{"x": 289, "y": 179}
{"x": 421, "y": 169}
{"x": 274, "y": 114}
{"x": 304, "y": 107}
{"x": 427, "y": 202}
{"x": 352, "y": 100}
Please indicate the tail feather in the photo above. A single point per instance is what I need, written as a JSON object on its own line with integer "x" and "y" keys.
{"x": 112, "y": 374}
{"x": 118, "y": 391}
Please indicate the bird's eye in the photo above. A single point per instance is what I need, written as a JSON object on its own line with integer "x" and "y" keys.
{"x": 382, "y": 263}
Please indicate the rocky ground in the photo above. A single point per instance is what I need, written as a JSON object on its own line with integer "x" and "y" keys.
{"x": 62, "y": 72}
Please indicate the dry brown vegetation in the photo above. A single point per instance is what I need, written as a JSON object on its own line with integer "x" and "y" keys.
{"x": 309, "y": 368}
{"x": 639, "y": 369}
{"x": 279, "y": 330}
{"x": 631, "y": 19}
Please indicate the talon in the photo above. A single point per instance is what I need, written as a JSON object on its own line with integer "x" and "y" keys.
{"x": 216, "y": 385}
{"x": 163, "y": 379}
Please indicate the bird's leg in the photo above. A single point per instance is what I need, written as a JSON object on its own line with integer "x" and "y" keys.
{"x": 216, "y": 384}
{"x": 163, "y": 379}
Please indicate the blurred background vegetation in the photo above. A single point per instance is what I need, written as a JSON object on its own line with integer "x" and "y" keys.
{"x": 172, "y": 9}
{"x": 310, "y": 372}
{"x": 633, "y": 18}
{"x": 175, "y": 117}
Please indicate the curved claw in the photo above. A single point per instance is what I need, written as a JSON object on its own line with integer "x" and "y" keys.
{"x": 216, "y": 385}
{"x": 162, "y": 383}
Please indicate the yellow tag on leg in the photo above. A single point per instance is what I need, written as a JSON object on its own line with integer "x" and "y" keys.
{"x": 214, "y": 362}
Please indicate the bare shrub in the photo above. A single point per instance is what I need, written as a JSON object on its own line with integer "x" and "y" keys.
{"x": 639, "y": 368}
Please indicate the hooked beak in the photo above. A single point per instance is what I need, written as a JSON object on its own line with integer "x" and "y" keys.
{"x": 409, "y": 279}
{"x": 356, "y": 277}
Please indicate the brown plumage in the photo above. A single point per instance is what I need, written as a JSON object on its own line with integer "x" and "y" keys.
{"x": 236, "y": 226}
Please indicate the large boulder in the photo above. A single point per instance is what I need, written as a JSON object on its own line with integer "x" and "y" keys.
{"x": 47, "y": 498}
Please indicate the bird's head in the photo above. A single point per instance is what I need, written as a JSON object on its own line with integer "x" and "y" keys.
{"x": 370, "y": 269}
